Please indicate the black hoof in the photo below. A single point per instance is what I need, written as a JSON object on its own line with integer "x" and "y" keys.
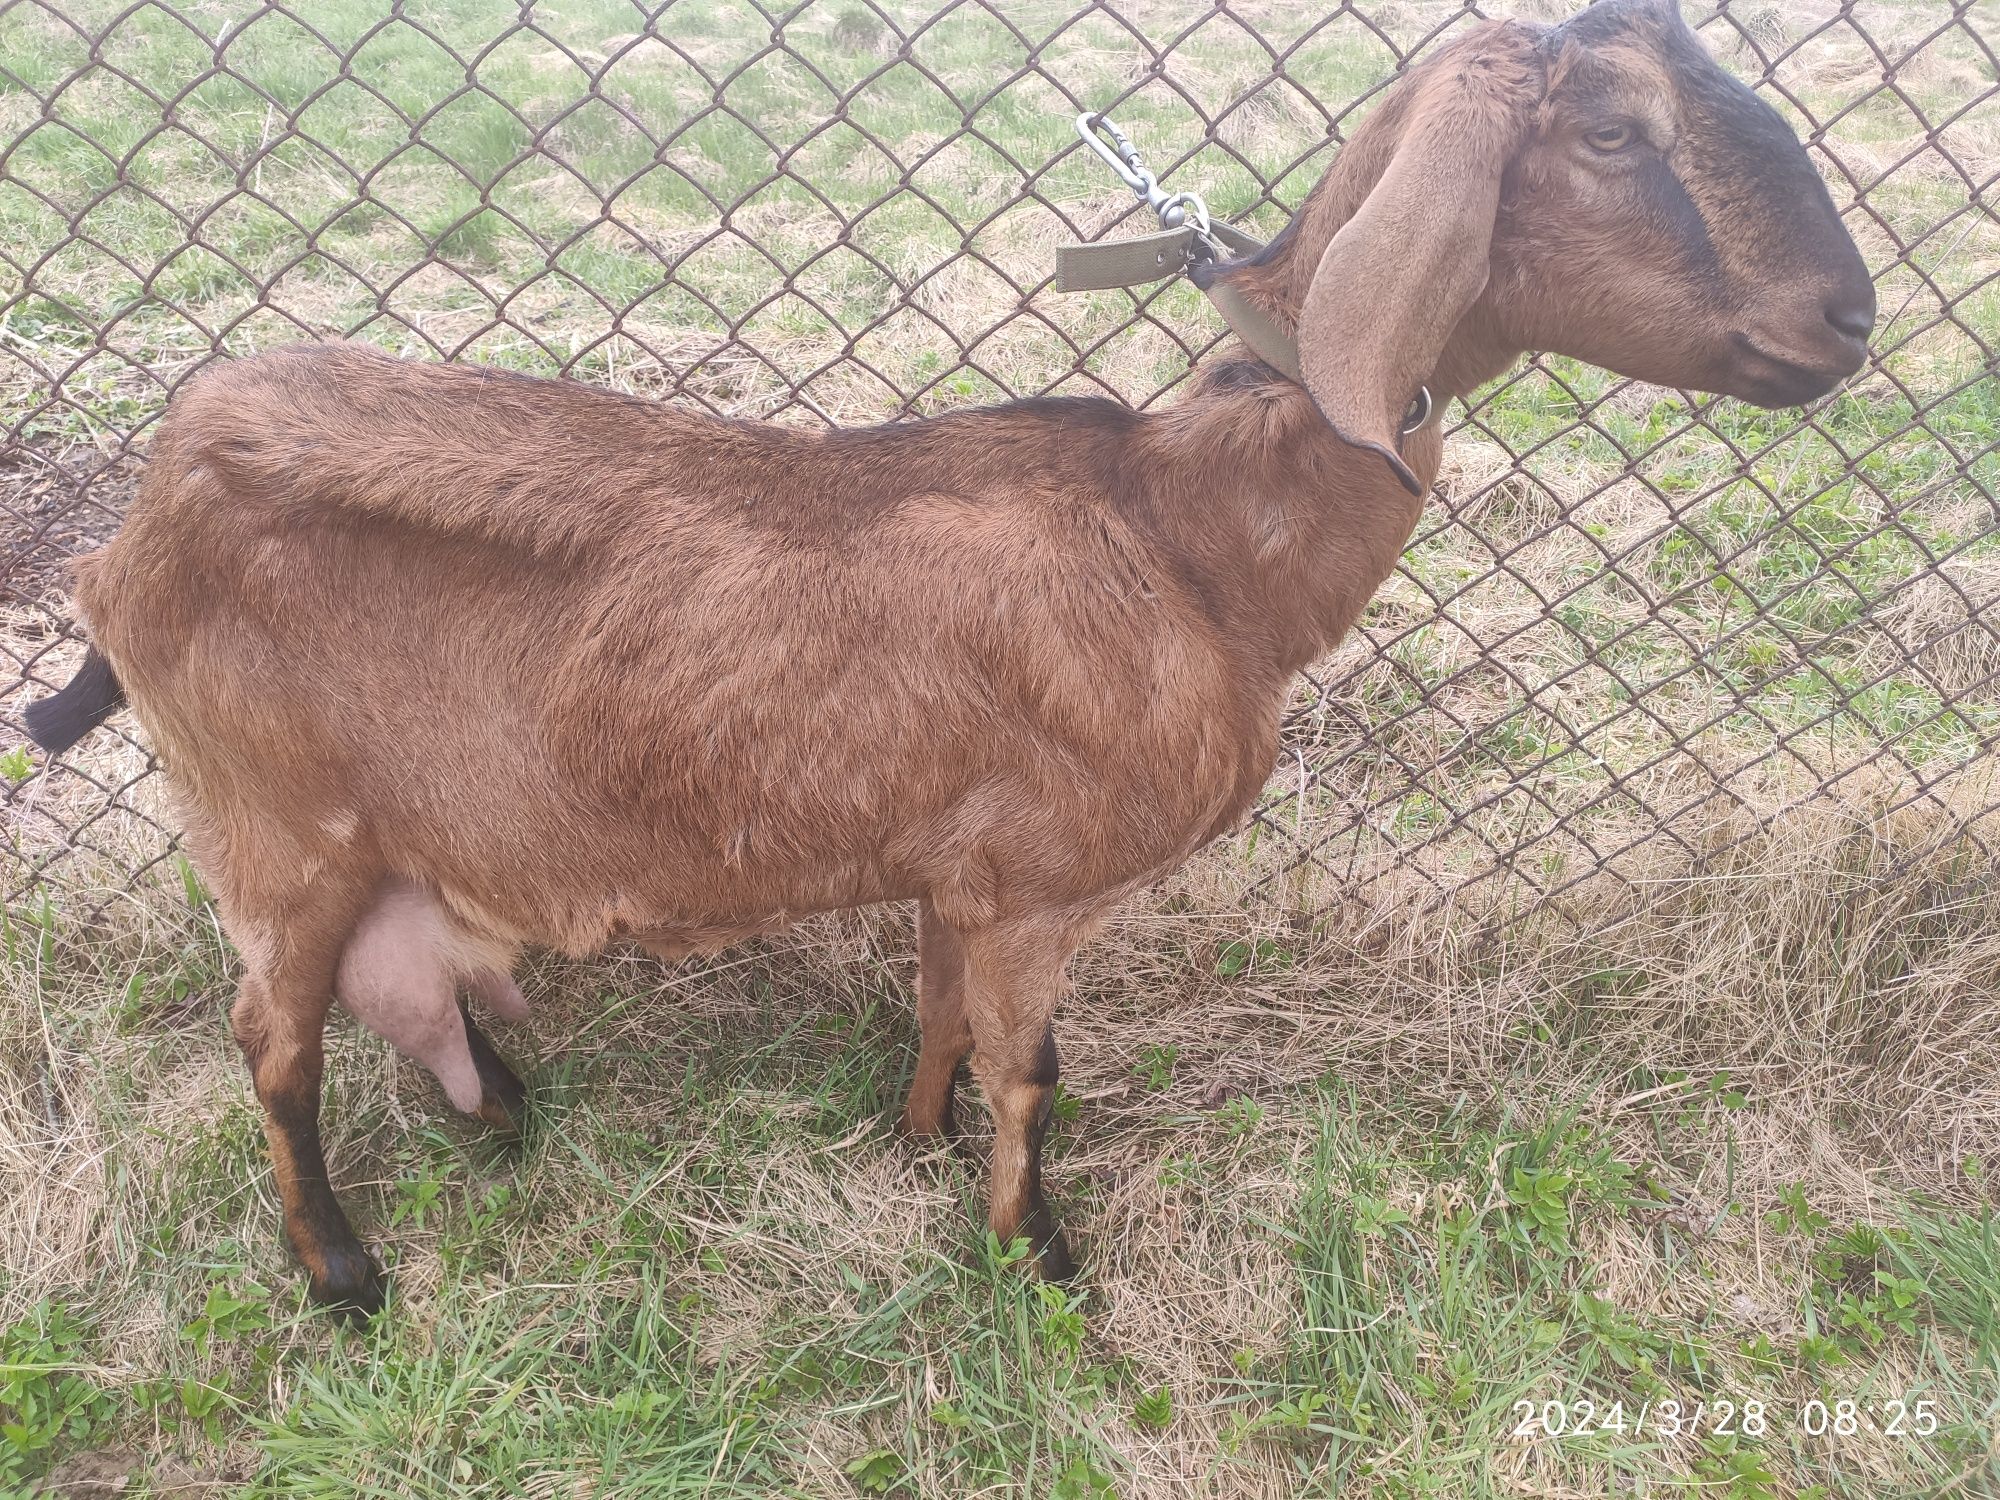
{"x": 349, "y": 1285}
{"x": 947, "y": 1133}
{"x": 505, "y": 1109}
{"x": 1053, "y": 1262}
{"x": 503, "y": 1103}
{"x": 919, "y": 1143}
{"x": 941, "y": 1168}
{"x": 928, "y": 1139}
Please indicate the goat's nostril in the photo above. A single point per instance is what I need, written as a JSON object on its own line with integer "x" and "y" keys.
{"x": 1855, "y": 319}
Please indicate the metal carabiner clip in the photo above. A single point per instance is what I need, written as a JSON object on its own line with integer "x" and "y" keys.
{"x": 1118, "y": 153}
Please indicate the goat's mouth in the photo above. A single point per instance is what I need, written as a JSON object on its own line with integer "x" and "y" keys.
{"x": 1768, "y": 379}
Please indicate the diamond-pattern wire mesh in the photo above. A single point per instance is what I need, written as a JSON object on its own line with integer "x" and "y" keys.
{"x": 1632, "y": 629}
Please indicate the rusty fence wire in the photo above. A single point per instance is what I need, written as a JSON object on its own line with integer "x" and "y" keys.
{"x": 1632, "y": 630}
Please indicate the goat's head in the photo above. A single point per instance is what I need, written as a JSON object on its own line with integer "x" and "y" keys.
{"x": 1600, "y": 189}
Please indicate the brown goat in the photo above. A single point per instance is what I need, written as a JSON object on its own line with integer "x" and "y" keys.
{"x": 446, "y": 661}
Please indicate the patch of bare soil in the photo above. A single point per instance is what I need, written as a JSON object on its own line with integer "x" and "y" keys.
{"x": 103, "y": 1472}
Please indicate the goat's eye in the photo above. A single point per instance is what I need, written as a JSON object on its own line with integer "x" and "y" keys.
{"x": 1610, "y": 138}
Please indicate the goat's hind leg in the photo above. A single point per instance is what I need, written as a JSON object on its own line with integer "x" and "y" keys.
{"x": 280, "y": 1023}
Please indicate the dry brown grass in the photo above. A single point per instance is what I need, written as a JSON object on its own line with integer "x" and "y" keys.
{"x": 1842, "y": 971}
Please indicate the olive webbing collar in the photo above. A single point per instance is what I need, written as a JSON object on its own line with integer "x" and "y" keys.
{"x": 1185, "y": 239}
{"x": 1168, "y": 252}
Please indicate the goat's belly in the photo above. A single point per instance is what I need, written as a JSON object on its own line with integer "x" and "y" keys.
{"x": 670, "y": 904}
{"x": 672, "y": 943}
{"x": 687, "y": 920}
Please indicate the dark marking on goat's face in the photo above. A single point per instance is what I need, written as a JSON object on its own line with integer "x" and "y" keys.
{"x": 1666, "y": 223}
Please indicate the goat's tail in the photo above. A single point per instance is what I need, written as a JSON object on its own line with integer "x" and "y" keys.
{"x": 64, "y": 717}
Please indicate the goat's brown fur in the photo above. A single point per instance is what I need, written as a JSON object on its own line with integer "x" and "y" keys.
{"x": 563, "y": 667}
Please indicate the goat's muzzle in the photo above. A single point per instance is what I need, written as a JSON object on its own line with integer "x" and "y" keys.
{"x": 1799, "y": 348}
{"x": 1766, "y": 377}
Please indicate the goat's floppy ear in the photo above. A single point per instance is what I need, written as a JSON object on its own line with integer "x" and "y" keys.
{"x": 1398, "y": 276}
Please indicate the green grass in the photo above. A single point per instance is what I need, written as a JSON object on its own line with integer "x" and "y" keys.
{"x": 711, "y": 1269}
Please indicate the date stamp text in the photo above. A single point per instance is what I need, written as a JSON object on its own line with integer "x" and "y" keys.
{"x": 1722, "y": 1417}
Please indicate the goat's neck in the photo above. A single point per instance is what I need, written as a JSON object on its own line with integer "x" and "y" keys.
{"x": 1286, "y": 528}
{"x": 1283, "y": 520}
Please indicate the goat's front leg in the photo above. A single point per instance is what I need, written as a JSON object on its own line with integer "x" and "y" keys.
{"x": 946, "y": 1035}
{"x": 280, "y": 1023}
{"x": 1013, "y": 978}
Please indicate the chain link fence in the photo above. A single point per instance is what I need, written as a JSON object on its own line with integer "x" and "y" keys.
{"x": 1632, "y": 630}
